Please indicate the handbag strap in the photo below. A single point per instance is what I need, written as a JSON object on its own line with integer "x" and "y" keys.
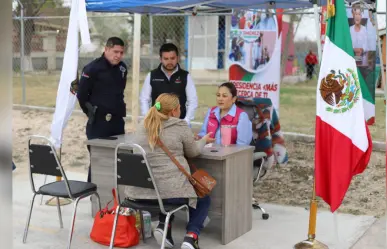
{"x": 114, "y": 197}
{"x": 165, "y": 149}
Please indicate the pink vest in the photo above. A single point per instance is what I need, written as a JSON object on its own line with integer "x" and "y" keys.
{"x": 228, "y": 120}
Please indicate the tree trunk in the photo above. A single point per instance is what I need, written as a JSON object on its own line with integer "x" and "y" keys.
{"x": 28, "y": 34}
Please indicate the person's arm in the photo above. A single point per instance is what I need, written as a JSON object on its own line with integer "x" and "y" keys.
{"x": 145, "y": 95}
{"x": 85, "y": 88}
{"x": 125, "y": 74}
{"x": 191, "y": 147}
{"x": 192, "y": 99}
{"x": 244, "y": 130}
{"x": 203, "y": 130}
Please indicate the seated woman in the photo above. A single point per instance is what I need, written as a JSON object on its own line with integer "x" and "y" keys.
{"x": 162, "y": 121}
{"x": 227, "y": 114}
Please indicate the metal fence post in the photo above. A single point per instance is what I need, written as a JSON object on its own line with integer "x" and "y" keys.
{"x": 22, "y": 52}
{"x": 151, "y": 41}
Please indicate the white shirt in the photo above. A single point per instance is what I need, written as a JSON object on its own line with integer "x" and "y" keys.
{"x": 359, "y": 40}
{"x": 257, "y": 51}
{"x": 190, "y": 90}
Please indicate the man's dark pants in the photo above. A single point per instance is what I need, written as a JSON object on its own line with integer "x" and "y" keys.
{"x": 309, "y": 71}
{"x": 102, "y": 128}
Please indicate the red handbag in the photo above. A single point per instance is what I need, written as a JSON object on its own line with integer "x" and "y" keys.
{"x": 126, "y": 235}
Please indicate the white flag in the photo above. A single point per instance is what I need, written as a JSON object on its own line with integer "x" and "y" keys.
{"x": 68, "y": 84}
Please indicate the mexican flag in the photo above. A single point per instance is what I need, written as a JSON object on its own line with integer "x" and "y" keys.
{"x": 343, "y": 142}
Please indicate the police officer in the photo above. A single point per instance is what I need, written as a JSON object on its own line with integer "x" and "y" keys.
{"x": 101, "y": 92}
{"x": 168, "y": 77}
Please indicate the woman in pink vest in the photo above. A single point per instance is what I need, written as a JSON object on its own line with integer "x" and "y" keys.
{"x": 227, "y": 120}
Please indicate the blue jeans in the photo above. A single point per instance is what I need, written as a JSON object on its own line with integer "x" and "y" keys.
{"x": 196, "y": 215}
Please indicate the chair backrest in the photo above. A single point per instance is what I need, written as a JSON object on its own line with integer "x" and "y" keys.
{"x": 134, "y": 170}
{"x": 44, "y": 160}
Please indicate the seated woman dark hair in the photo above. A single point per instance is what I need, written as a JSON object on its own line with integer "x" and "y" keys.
{"x": 227, "y": 117}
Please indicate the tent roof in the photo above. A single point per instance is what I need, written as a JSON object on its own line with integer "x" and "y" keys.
{"x": 182, "y": 6}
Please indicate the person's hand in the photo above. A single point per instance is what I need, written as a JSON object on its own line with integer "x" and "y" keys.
{"x": 208, "y": 138}
{"x": 196, "y": 136}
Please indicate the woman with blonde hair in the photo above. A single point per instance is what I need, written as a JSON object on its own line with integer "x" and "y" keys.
{"x": 162, "y": 122}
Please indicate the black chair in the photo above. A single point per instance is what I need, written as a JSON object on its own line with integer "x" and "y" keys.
{"x": 43, "y": 159}
{"x": 133, "y": 169}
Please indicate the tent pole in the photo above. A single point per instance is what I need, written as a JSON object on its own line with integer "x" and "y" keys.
{"x": 136, "y": 68}
{"x": 380, "y": 47}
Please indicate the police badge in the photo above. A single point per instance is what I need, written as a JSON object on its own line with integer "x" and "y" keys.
{"x": 108, "y": 117}
{"x": 123, "y": 70}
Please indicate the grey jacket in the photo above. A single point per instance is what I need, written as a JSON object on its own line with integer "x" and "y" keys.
{"x": 171, "y": 182}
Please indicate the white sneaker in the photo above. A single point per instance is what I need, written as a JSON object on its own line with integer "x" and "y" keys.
{"x": 158, "y": 234}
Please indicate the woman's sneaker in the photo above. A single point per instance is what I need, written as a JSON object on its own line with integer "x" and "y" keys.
{"x": 191, "y": 241}
{"x": 158, "y": 234}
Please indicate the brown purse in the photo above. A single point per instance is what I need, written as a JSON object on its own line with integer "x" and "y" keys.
{"x": 202, "y": 182}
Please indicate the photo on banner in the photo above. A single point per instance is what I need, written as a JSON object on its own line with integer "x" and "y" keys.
{"x": 362, "y": 26}
{"x": 255, "y": 54}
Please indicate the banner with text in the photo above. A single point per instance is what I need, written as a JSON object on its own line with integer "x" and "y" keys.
{"x": 255, "y": 54}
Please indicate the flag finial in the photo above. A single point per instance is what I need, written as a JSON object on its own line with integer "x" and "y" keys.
{"x": 330, "y": 8}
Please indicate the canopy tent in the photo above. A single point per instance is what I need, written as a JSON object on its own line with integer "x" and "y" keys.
{"x": 153, "y": 7}
{"x": 179, "y": 6}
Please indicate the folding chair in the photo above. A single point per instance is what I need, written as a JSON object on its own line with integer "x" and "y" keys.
{"x": 43, "y": 159}
{"x": 258, "y": 160}
{"x": 134, "y": 170}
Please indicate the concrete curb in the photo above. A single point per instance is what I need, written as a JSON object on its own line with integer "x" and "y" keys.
{"x": 289, "y": 136}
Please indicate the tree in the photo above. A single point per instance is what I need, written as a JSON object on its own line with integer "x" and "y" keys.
{"x": 106, "y": 26}
{"x": 32, "y": 8}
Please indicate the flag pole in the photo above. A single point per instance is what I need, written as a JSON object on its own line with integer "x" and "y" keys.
{"x": 311, "y": 242}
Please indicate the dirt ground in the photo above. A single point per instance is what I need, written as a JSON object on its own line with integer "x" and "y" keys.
{"x": 288, "y": 185}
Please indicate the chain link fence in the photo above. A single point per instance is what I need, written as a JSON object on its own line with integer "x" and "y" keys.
{"x": 203, "y": 42}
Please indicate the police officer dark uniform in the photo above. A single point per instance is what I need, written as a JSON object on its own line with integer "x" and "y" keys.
{"x": 168, "y": 77}
{"x": 101, "y": 92}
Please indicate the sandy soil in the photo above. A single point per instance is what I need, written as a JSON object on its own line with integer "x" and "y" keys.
{"x": 290, "y": 185}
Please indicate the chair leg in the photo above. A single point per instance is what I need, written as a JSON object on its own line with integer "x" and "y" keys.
{"x": 142, "y": 225}
{"x": 187, "y": 213}
{"x": 165, "y": 230}
{"x": 59, "y": 212}
{"x": 41, "y": 198}
{"x": 28, "y": 219}
{"x": 73, "y": 223}
{"x": 114, "y": 228}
